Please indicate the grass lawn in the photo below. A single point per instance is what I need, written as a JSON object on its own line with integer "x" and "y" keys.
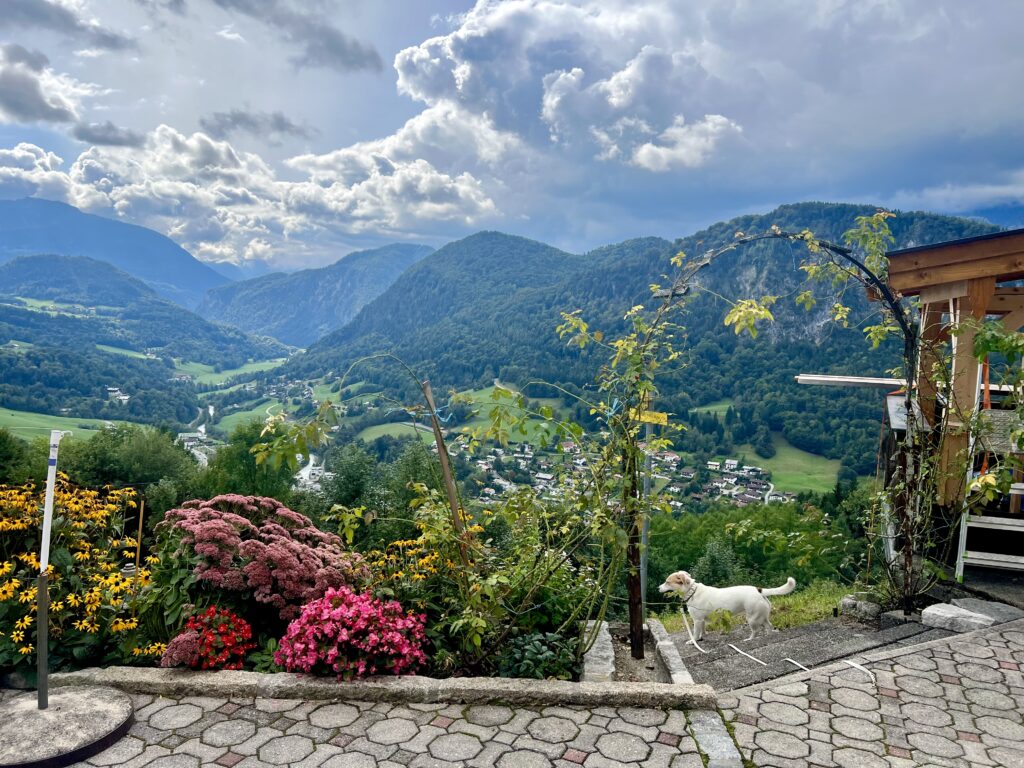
{"x": 26, "y": 424}
{"x": 205, "y": 374}
{"x": 719, "y": 407}
{"x": 257, "y": 412}
{"x": 805, "y": 606}
{"x": 121, "y": 351}
{"x": 396, "y": 430}
{"x": 795, "y": 470}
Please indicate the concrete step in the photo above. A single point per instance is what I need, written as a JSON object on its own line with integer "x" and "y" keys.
{"x": 811, "y": 645}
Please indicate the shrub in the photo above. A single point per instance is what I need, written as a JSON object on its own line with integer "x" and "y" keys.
{"x": 213, "y": 639}
{"x": 253, "y": 547}
{"x": 541, "y": 655}
{"x": 91, "y": 615}
{"x": 353, "y": 635}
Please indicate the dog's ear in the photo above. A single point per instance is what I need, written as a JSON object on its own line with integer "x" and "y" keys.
{"x": 687, "y": 578}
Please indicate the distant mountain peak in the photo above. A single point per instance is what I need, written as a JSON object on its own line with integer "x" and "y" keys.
{"x": 32, "y": 226}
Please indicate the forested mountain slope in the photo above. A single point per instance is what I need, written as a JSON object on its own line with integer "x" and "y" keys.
{"x": 487, "y": 307}
{"x": 301, "y": 307}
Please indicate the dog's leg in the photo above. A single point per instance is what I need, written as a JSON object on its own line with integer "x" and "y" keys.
{"x": 698, "y": 629}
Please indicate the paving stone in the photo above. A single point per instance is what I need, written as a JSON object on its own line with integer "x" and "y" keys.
{"x": 980, "y": 673}
{"x": 175, "y": 761}
{"x": 524, "y": 759}
{"x": 687, "y": 761}
{"x": 489, "y": 715}
{"x": 228, "y": 733}
{"x": 350, "y": 760}
{"x": 455, "y": 746}
{"x": 276, "y": 705}
{"x": 855, "y": 728}
{"x": 1007, "y": 757}
{"x": 783, "y": 713}
{"x": 285, "y": 749}
{"x": 781, "y": 744}
{"x": 624, "y": 747}
{"x": 176, "y": 716}
{"x": 1001, "y": 728}
{"x": 937, "y": 746}
{"x": 857, "y": 758}
{"x": 251, "y": 745}
{"x": 334, "y": 716}
{"x": 854, "y": 699}
{"x": 553, "y": 729}
{"x": 645, "y": 717}
{"x": 392, "y": 731}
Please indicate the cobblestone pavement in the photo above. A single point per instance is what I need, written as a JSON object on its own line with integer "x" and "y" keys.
{"x": 239, "y": 733}
{"x": 954, "y": 702}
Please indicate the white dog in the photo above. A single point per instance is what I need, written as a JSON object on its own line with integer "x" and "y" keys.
{"x": 703, "y": 600}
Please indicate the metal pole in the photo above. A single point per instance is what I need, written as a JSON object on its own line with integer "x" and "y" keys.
{"x": 645, "y": 530}
{"x": 42, "y": 590}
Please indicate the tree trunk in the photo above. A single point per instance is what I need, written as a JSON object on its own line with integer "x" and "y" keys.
{"x": 634, "y": 517}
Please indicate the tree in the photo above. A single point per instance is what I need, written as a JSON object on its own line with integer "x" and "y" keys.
{"x": 13, "y": 458}
{"x": 235, "y": 468}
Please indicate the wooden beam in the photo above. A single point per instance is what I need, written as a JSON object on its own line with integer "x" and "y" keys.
{"x": 958, "y": 260}
{"x": 1004, "y": 301}
{"x": 1009, "y": 266}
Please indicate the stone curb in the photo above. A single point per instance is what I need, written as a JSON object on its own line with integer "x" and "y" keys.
{"x": 867, "y": 658}
{"x": 410, "y": 689}
{"x": 668, "y": 653}
{"x": 599, "y": 661}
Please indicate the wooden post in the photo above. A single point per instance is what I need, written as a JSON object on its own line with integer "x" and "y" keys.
{"x": 138, "y": 540}
{"x": 446, "y": 472}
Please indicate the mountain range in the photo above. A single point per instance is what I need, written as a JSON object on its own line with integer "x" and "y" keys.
{"x": 301, "y": 307}
{"x": 32, "y": 226}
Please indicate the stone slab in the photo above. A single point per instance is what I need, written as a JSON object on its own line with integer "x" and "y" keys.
{"x": 954, "y": 618}
{"x": 714, "y": 740}
{"x": 668, "y": 654}
{"x": 77, "y": 724}
{"x": 1001, "y": 612}
{"x": 409, "y": 689}
{"x": 599, "y": 661}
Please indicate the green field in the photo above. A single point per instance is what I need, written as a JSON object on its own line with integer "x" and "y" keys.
{"x": 257, "y": 412}
{"x": 121, "y": 351}
{"x": 795, "y": 470}
{"x": 719, "y": 407}
{"x": 483, "y": 402}
{"x": 396, "y": 430}
{"x": 205, "y": 374}
{"x": 26, "y": 424}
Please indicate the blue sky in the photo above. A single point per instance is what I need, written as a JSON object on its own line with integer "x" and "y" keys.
{"x": 295, "y": 131}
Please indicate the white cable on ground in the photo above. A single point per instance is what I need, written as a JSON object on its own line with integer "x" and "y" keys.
{"x": 796, "y": 663}
{"x": 865, "y": 670}
{"x": 762, "y": 663}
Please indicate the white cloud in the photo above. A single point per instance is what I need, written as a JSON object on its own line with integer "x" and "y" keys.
{"x": 684, "y": 146}
{"x": 229, "y": 33}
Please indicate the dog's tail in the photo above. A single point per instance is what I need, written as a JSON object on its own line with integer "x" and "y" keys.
{"x": 785, "y": 589}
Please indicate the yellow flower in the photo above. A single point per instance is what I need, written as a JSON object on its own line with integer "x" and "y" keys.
{"x": 17, "y": 635}
{"x": 6, "y": 567}
{"x": 26, "y": 650}
{"x": 27, "y": 595}
{"x": 24, "y": 622}
{"x": 151, "y": 559}
{"x": 120, "y": 625}
{"x": 73, "y": 600}
{"x": 82, "y": 556}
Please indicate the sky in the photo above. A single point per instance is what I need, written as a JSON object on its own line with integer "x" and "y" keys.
{"x": 296, "y": 131}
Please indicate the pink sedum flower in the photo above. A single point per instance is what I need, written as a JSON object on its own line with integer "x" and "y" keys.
{"x": 256, "y": 545}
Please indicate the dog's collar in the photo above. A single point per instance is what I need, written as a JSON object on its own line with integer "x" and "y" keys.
{"x": 689, "y": 593}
